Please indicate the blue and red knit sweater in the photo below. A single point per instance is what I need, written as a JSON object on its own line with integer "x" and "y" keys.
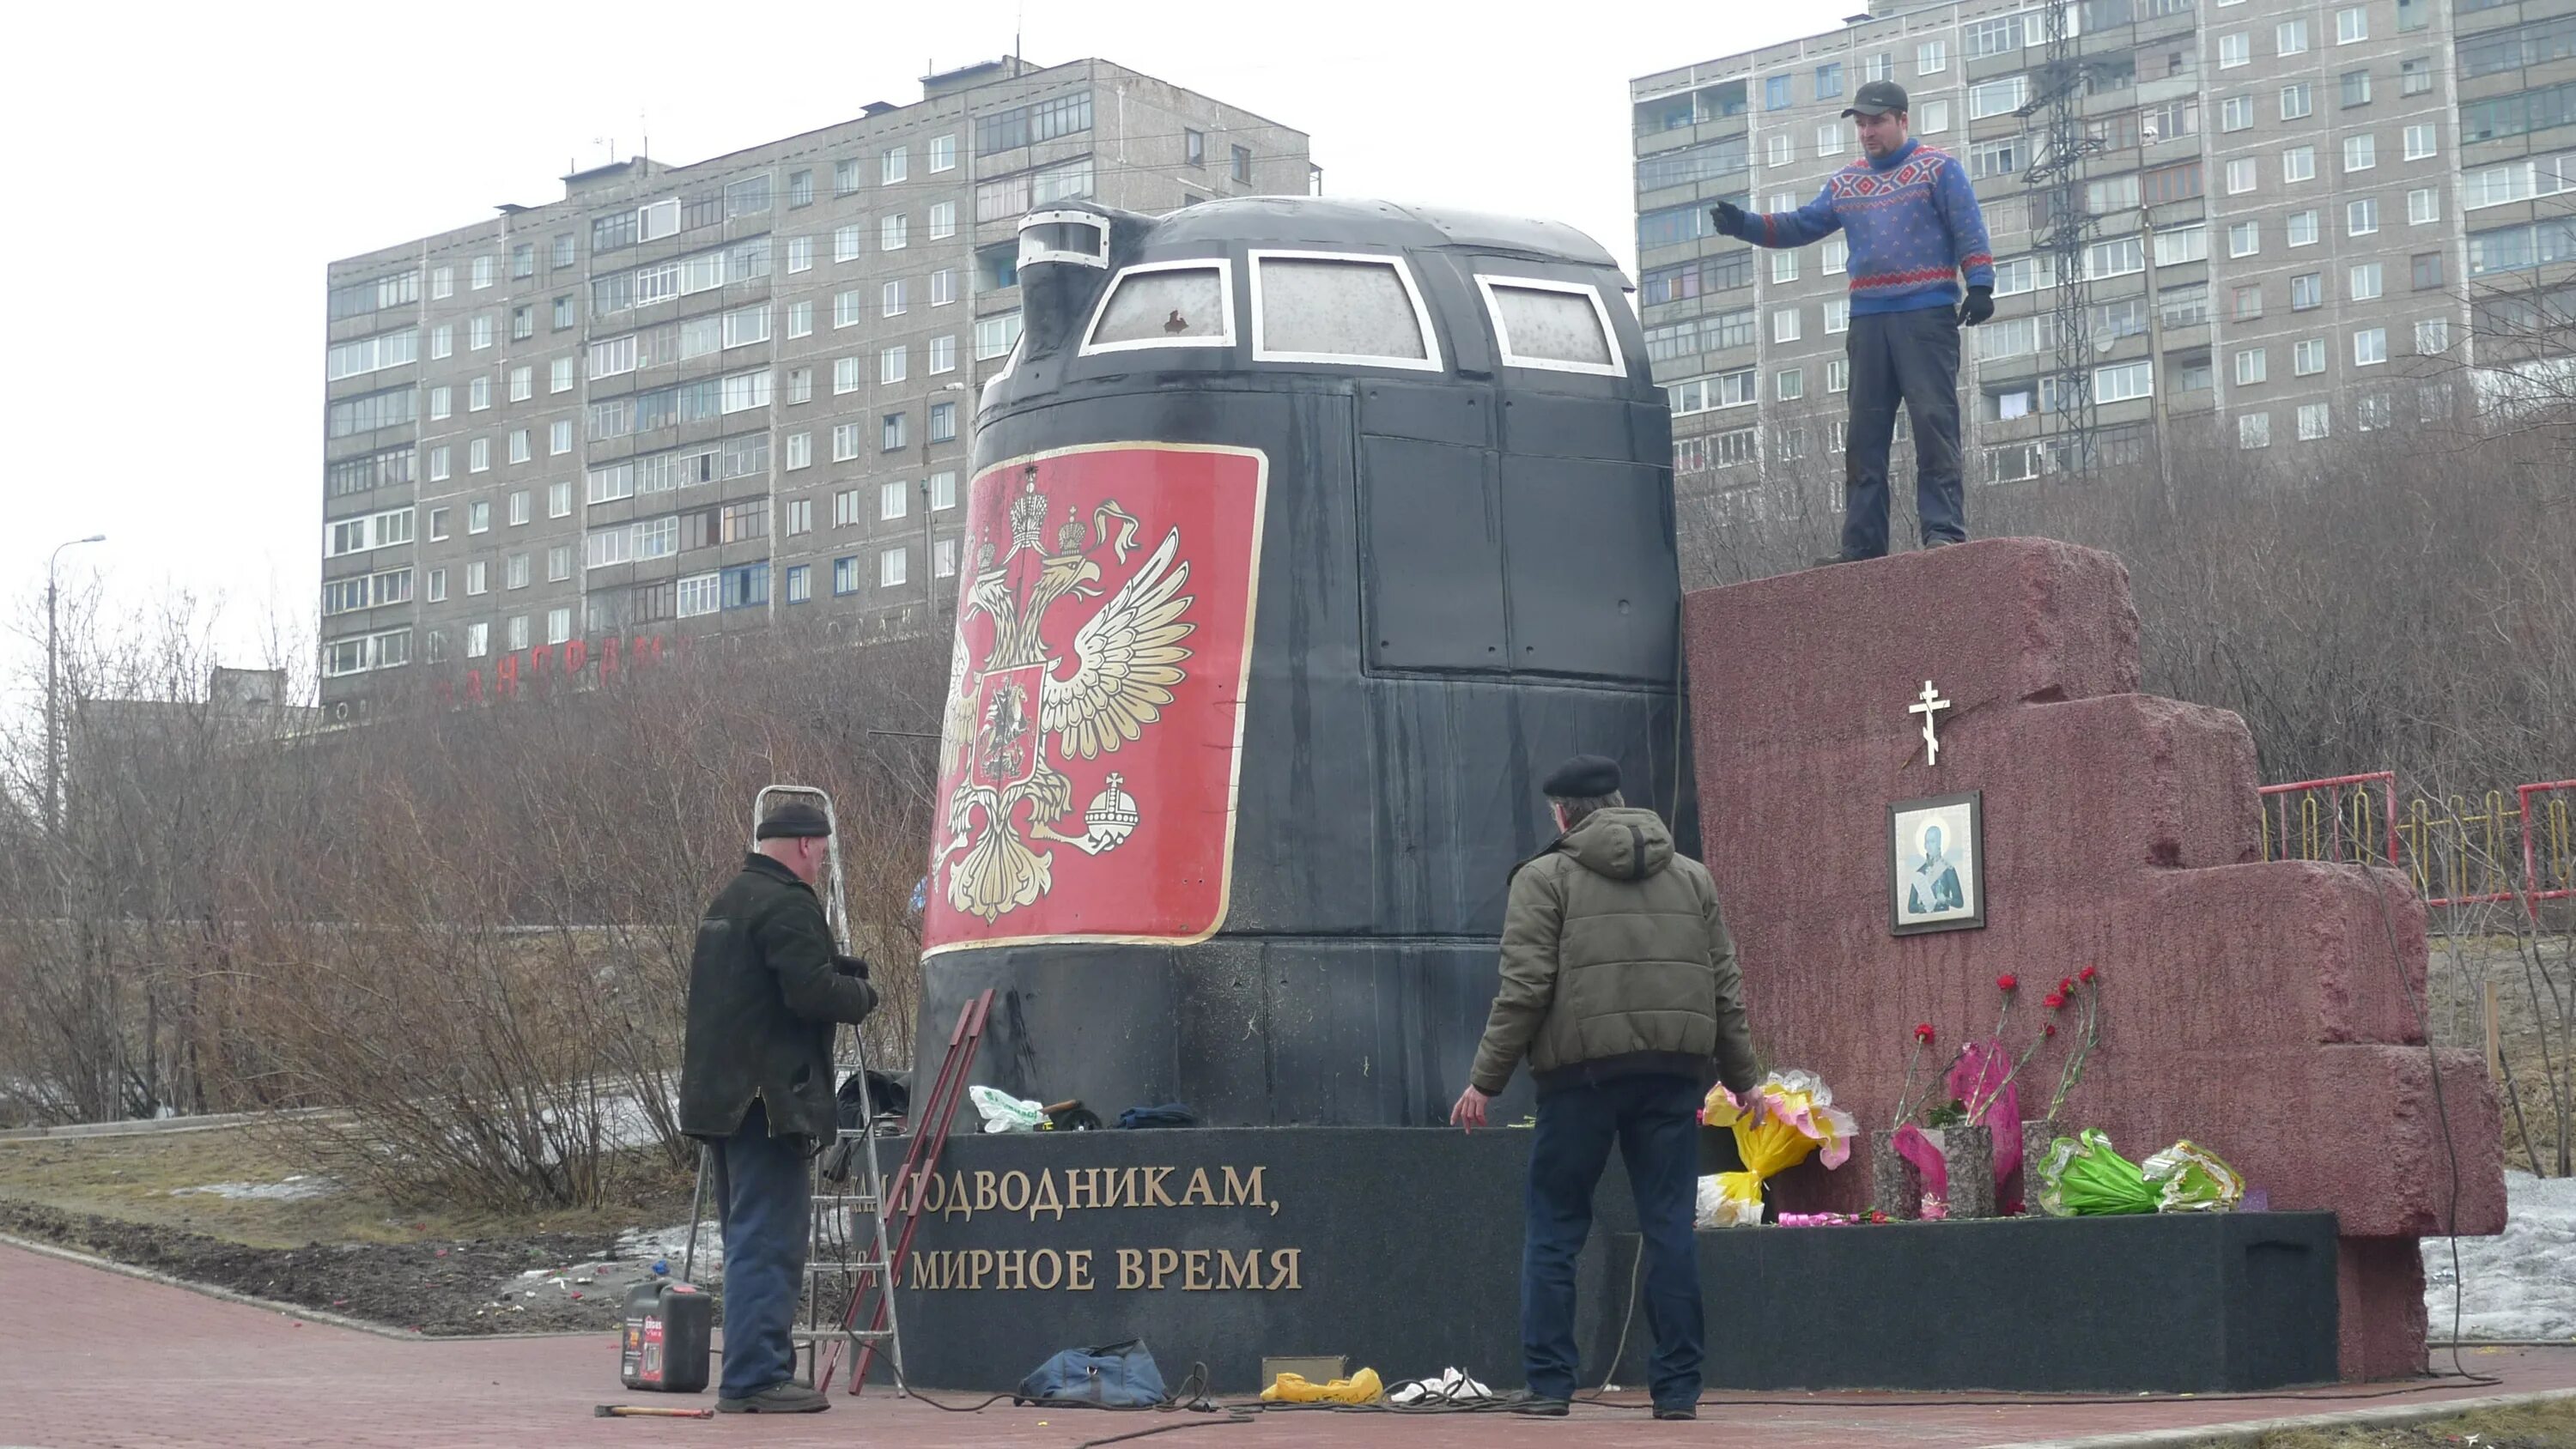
{"x": 1913, "y": 222}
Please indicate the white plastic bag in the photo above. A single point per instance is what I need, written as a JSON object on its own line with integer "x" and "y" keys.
{"x": 1003, "y": 1112}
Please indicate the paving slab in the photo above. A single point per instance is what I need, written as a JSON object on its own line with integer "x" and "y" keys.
{"x": 98, "y": 1357}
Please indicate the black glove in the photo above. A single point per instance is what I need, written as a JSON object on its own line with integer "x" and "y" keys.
{"x": 1979, "y": 306}
{"x": 850, "y": 965}
{"x": 1729, "y": 218}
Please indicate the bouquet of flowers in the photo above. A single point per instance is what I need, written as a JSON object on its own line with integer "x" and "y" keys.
{"x": 1800, "y": 1120}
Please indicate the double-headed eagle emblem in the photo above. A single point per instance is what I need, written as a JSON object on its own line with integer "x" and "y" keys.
{"x": 1126, "y": 659}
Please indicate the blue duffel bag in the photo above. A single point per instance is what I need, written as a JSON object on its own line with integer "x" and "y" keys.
{"x": 1113, "y": 1376}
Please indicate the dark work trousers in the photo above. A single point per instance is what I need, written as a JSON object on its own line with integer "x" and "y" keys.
{"x": 1655, "y": 1121}
{"x": 762, "y": 1200}
{"x": 1910, "y": 358}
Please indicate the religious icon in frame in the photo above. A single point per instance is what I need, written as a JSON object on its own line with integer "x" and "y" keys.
{"x": 1936, "y": 864}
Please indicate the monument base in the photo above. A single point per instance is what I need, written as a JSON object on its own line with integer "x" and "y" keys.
{"x": 1399, "y": 1248}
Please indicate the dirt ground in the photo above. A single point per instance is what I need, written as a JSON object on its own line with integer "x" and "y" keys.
{"x": 136, "y": 1199}
{"x": 2531, "y": 1044}
{"x": 2549, "y": 1426}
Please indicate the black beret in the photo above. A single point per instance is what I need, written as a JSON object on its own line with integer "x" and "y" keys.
{"x": 1585, "y": 777}
{"x": 793, "y": 820}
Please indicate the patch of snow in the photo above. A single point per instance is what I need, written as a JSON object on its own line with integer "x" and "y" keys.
{"x": 293, "y": 1188}
{"x": 2517, "y": 1284}
{"x": 672, "y": 1243}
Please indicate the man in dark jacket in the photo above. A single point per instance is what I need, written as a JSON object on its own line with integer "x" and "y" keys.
{"x": 765, "y": 989}
{"x": 1620, "y": 987}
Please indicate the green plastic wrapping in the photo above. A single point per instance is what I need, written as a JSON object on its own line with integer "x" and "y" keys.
{"x": 2189, "y": 1178}
{"x": 2082, "y": 1177}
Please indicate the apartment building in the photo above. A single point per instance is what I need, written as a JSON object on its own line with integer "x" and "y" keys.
{"x": 695, "y": 400}
{"x": 2304, "y": 213}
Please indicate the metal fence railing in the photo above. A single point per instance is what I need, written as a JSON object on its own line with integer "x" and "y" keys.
{"x": 2460, "y": 851}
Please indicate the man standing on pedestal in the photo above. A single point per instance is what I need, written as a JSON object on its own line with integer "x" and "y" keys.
{"x": 1620, "y": 986}
{"x": 1914, "y": 227}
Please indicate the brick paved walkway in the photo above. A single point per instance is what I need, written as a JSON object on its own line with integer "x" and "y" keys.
{"x": 99, "y": 1358}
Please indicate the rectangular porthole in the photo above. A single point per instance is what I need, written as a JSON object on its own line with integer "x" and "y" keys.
{"x": 1165, "y": 304}
{"x": 1558, "y": 326}
{"x": 1335, "y": 307}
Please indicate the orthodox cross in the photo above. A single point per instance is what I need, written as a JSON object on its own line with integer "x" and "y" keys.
{"x": 1925, "y": 703}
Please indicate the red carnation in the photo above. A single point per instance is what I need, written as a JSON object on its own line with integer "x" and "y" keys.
{"x": 1923, "y": 1033}
{"x": 2007, "y": 982}
{"x": 2084, "y": 975}
{"x": 2049, "y": 1030}
{"x": 2053, "y": 1000}
{"x": 2066, "y": 986}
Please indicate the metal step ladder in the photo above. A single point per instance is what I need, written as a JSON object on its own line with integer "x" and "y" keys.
{"x": 845, "y": 1227}
{"x": 872, "y": 1295}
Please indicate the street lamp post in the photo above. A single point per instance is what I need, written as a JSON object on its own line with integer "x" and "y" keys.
{"x": 53, "y": 714}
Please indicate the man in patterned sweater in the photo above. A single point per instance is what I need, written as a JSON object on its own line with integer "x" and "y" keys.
{"x": 1914, "y": 228}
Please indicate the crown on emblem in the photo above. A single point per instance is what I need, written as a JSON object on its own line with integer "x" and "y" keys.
{"x": 1028, "y": 514}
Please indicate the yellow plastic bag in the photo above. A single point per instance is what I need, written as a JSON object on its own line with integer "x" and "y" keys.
{"x": 1360, "y": 1388}
{"x": 1800, "y": 1119}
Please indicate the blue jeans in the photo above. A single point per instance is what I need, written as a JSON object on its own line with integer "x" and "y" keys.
{"x": 1909, "y": 359}
{"x": 762, "y": 1200}
{"x": 1655, "y": 1121}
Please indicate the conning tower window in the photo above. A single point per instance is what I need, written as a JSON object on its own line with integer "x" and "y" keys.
{"x": 1559, "y": 326}
{"x": 1337, "y": 307}
{"x": 1166, "y": 304}
{"x": 1064, "y": 236}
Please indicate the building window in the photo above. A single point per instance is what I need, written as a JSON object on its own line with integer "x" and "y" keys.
{"x": 1995, "y": 97}
{"x": 1784, "y": 324}
{"x": 478, "y": 516}
{"x": 943, "y": 287}
{"x": 890, "y": 567}
{"x": 441, "y": 403}
{"x": 943, "y": 558}
{"x": 2236, "y": 113}
{"x": 2299, "y": 163}
{"x": 478, "y": 455}
{"x": 1935, "y": 116}
{"x": 2419, "y": 142}
{"x": 2423, "y": 204}
{"x": 2370, "y": 414}
{"x": 2246, "y": 303}
{"x": 442, "y": 283}
{"x": 2244, "y": 238}
{"x": 519, "y": 445}
{"x": 848, "y": 308}
{"x": 895, "y": 165}
{"x": 2361, "y": 217}
{"x": 2290, "y": 37}
{"x": 2362, "y": 282}
{"x": 800, "y": 254}
{"x": 442, "y": 340}
{"x": 2427, "y": 270}
{"x": 478, "y": 577}
{"x": 894, "y": 298}
{"x": 2297, "y": 101}
{"x": 559, "y": 377}
{"x": 845, "y": 176}
{"x": 559, "y": 500}
{"x": 1838, "y": 374}
{"x": 943, "y": 153}
{"x": 845, "y": 509}
{"x": 482, "y": 273}
{"x": 478, "y": 332}
{"x": 894, "y": 233}
{"x": 2303, "y": 228}
{"x": 2360, "y": 153}
{"x": 478, "y": 640}
{"x": 800, "y": 451}
{"x": 800, "y": 188}
{"x": 2308, "y": 357}
{"x": 943, "y": 220}
{"x": 2312, "y": 421}
{"x": 894, "y": 363}
{"x": 2253, "y": 430}
{"x": 1931, "y": 57}
{"x": 845, "y": 375}
{"x": 943, "y": 422}
{"x": 2234, "y": 50}
{"x": 846, "y": 243}
{"x": 2240, "y": 176}
{"x": 845, "y": 575}
{"x": 2307, "y": 291}
{"x": 438, "y": 586}
{"x": 700, "y": 594}
{"x": 894, "y": 500}
{"x": 437, "y": 525}
{"x": 994, "y": 336}
{"x": 514, "y": 571}
{"x": 2370, "y": 347}
{"x": 845, "y": 442}
{"x": 2252, "y": 366}
{"x": 800, "y": 384}
{"x": 893, "y": 429}
{"x": 2414, "y": 78}
{"x": 800, "y": 583}
{"x": 2433, "y": 336}
{"x": 1243, "y": 165}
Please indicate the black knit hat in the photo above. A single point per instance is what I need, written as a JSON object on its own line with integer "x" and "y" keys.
{"x": 1585, "y": 777}
{"x": 793, "y": 821}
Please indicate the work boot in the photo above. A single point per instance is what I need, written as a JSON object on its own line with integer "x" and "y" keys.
{"x": 784, "y": 1397}
{"x": 1542, "y": 1408}
{"x": 1676, "y": 1411}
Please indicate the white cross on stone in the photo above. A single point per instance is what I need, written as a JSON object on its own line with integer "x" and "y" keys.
{"x": 1925, "y": 703}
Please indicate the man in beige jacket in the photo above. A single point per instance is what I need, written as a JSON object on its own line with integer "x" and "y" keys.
{"x": 1620, "y": 987}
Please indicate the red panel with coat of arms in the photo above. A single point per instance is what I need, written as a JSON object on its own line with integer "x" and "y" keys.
{"x": 1088, "y": 760}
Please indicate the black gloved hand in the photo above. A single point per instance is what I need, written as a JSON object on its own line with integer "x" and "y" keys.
{"x": 850, "y": 965}
{"x": 1979, "y": 306}
{"x": 1729, "y": 218}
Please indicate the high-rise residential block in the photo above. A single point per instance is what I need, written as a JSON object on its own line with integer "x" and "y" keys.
{"x": 2307, "y": 217}
{"x": 699, "y": 399}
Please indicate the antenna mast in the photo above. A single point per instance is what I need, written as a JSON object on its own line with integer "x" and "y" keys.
{"x": 2062, "y": 228}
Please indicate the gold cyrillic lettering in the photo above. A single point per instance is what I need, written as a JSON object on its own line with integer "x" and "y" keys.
{"x": 1242, "y": 1191}
{"x": 1154, "y": 1194}
{"x": 985, "y": 1199}
{"x": 1198, "y": 1194}
{"x": 1080, "y": 1183}
{"x": 1122, "y": 1190}
{"x": 1194, "y": 1271}
{"x": 1165, "y": 1262}
{"x": 1131, "y": 1269}
{"x": 1022, "y": 1179}
{"x": 979, "y": 1261}
{"x": 959, "y": 1204}
{"x": 1045, "y": 1200}
{"x": 1077, "y": 1270}
{"x": 1046, "y": 1269}
{"x": 1283, "y": 1268}
{"x": 1011, "y": 1269}
{"x": 1233, "y": 1274}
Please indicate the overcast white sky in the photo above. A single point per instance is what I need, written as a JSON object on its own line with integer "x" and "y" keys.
{"x": 185, "y": 172}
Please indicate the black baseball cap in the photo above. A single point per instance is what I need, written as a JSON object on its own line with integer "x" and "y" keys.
{"x": 1877, "y": 99}
{"x": 793, "y": 821}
